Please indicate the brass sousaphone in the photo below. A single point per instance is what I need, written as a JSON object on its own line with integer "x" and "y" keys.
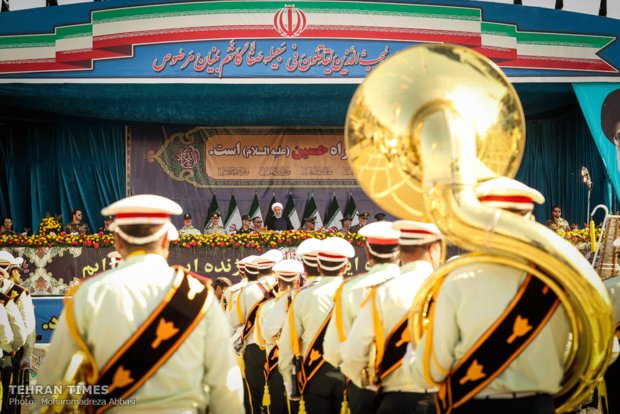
{"x": 422, "y": 130}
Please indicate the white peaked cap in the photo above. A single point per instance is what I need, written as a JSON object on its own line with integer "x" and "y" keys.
{"x": 335, "y": 251}
{"x": 506, "y": 193}
{"x": 144, "y": 209}
{"x": 415, "y": 232}
{"x": 248, "y": 259}
{"x": 288, "y": 269}
{"x": 308, "y": 251}
{"x": 7, "y": 259}
{"x": 268, "y": 259}
{"x": 380, "y": 232}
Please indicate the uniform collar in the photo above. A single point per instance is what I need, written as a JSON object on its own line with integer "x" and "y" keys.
{"x": 417, "y": 265}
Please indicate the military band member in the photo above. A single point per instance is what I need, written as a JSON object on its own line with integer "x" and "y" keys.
{"x": 362, "y": 221}
{"x": 308, "y": 252}
{"x": 306, "y": 374}
{"x": 612, "y": 376}
{"x": 22, "y": 358}
{"x": 214, "y": 224}
{"x": 14, "y": 350}
{"x": 382, "y": 252}
{"x": 518, "y": 379}
{"x": 232, "y": 291}
{"x": 260, "y": 288}
{"x": 188, "y": 228}
{"x": 382, "y": 326}
{"x": 271, "y": 317}
{"x": 6, "y": 345}
{"x": 184, "y": 365}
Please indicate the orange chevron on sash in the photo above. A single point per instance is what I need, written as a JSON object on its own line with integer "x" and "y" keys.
{"x": 510, "y": 334}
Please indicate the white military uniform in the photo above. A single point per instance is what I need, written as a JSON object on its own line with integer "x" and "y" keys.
{"x": 393, "y": 300}
{"x": 311, "y": 306}
{"x": 202, "y": 371}
{"x": 109, "y": 309}
{"x": 245, "y": 300}
{"x": 351, "y": 297}
{"x": 6, "y": 334}
{"x": 20, "y": 334}
{"x": 470, "y": 300}
{"x": 613, "y": 288}
{"x": 26, "y": 310}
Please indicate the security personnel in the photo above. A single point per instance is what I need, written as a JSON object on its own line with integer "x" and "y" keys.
{"x": 271, "y": 317}
{"x": 306, "y": 373}
{"x": 260, "y": 288}
{"x": 345, "y": 222}
{"x": 214, "y": 224}
{"x": 362, "y": 221}
{"x": 382, "y": 325}
{"x": 525, "y": 384}
{"x": 382, "y": 252}
{"x": 105, "y": 229}
{"x": 188, "y": 228}
{"x": 134, "y": 309}
{"x": 246, "y": 225}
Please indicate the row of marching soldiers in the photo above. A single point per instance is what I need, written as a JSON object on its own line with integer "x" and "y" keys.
{"x": 293, "y": 318}
{"x": 310, "y": 340}
{"x": 17, "y": 333}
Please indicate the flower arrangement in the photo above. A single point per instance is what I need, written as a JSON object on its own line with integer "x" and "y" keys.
{"x": 50, "y": 224}
{"x": 580, "y": 238}
{"x": 260, "y": 241}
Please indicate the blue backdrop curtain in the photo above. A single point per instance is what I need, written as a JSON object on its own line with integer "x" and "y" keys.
{"x": 53, "y": 167}
{"x": 558, "y": 145}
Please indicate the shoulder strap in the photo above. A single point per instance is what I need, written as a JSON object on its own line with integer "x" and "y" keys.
{"x": 313, "y": 360}
{"x": 249, "y": 323}
{"x": 395, "y": 348}
{"x": 4, "y": 299}
{"x": 158, "y": 337}
{"x": 338, "y": 310}
{"x": 504, "y": 341}
{"x": 15, "y": 292}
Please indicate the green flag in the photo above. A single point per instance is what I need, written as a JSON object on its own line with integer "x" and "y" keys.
{"x": 351, "y": 210}
{"x": 310, "y": 210}
{"x": 233, "y": 218}
{"x": 333, "y": 215}
{"x": 212, "y": 207}
{"x": 291, "y": 212}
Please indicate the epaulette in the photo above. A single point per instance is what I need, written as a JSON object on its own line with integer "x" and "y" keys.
{"x": 204, "y": 279}
{"x": 15, "y": 292}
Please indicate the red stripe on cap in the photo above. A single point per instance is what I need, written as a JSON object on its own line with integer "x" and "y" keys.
{"x": 509, "y": 199}
{"x": 373, "y": 240}
{"x": 139, "y": 215}
{"x": 332, "y": 256}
